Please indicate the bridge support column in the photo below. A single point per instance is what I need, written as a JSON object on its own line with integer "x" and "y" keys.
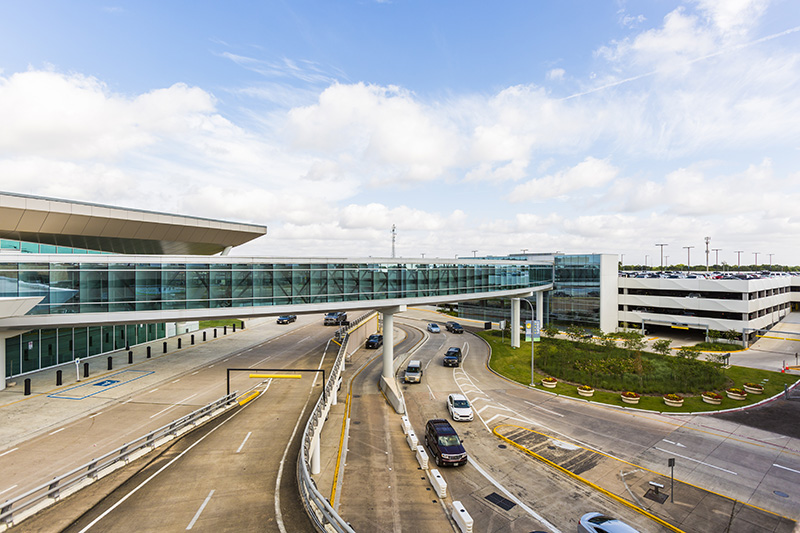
{"x": 515, "y": 322}
{"x": 540, "y": 308}
{"x": 387, "y": 381}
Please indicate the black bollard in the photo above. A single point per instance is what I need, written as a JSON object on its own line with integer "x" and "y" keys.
{"x": 224, "y": 330}
{"x": 58, "y": 377}
{"x": 234, "y": 327}
{"x": 165, "y": 346}
{"x": 127, "y": 346}
{"x": 204, "y": 336}
{"x": 130, "y": 357}
{"x": 179, "y": 343}
{"x": 110, "y": 363}
{"x": 215, "y": 333}
{"x": 86, "y": 369}
{"x": 27, "y": 386}
{"x": 148, "y": 352}
{"x": 242, "y": 324}
{"x": 192, "y": 339}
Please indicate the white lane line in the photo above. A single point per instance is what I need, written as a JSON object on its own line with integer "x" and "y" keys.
{"x": 513, "y": 498}
{"x": 430, "y": 391}
{"x": 210, "y": 366}
{"x": 57, "y": 431}
{"x": 787, "y": 468}
{"x": 197, "y": 515}
{"x": 8, "y": 489}
{"x": 696, "y": 461}
{"x": 148, "y": 480}
{"x": 678, "y": 444}
{"x": 177, "y": 380}
{"x": 151, "y": 391}
{"x": 174, "y": 405}
{"x": 543, "y": 409}
{"x": 96, "y": 414}
{"x": 193, "y": 373}
{"x": 8, "y": 451}
{"x": 245, "y": 440}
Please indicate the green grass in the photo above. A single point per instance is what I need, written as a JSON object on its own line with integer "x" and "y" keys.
{"x": 219, "y": 323}
{"x": 515, "y": 364}
{"x": 718, "y": 347}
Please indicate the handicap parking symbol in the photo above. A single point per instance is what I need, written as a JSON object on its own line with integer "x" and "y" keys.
{"x": 106, "y": 382}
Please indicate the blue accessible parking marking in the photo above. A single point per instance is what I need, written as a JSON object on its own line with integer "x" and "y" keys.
{"x": 79, "y": 392}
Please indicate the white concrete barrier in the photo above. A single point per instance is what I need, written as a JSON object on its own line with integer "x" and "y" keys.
{"x": 412, "y": 441}
{"x": 406, "y": 424}
{"x": 437, "y": 482}
{"x": 462, "y": 517}
{"x": 422, "y": 458}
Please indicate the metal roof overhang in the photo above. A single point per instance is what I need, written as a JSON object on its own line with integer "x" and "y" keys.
{"x": 117, "y": 230}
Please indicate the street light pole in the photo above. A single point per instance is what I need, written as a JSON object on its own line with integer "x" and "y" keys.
{"x": 688, "y": 257}
{"x": 716, "y": 256}
{"x": 708, "y": 240}
{"x": 756, "y": 254}
{"x": 739, "y": 259}
{"x": 662, "y": 255}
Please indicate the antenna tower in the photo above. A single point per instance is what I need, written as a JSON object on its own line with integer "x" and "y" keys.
{"x": 394, "y": 236}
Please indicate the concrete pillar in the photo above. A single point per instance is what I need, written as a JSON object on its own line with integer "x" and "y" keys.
{"x": 315, "y": 456}
{"x": 515, "y": 322}
{"x": 388, "y": 345}
{"x": 540, "y": 308}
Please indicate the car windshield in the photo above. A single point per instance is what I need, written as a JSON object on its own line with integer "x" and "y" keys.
{"x": 449, "y": 440}
{"x": 460, "y": 404}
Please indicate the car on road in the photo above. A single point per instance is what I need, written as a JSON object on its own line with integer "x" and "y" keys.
{"x": 599, "y": 523}
{"x": 374, "y": 341}
{"x": 452, "y": 357}
{"x": 444, "y": 444}
{"x": 433, "y": 328}
{"x": 286, "y": 319}
{"x": 338, "y": 318}
{"x": 459, "y": 408}
{"x": 413, "y": 372}
{"x": 454, "y": 327}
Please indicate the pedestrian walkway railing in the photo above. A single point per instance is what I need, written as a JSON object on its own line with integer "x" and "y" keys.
{"x": 320, "y": 511}
{"x": 15, "y": 509}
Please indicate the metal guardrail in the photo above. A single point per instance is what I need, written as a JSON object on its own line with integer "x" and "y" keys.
{"x": 49, "y": 492}
{"x": 320, "y": 511}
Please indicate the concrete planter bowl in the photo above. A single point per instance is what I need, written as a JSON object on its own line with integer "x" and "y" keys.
{"x": 550, "y": 384}
{"x": 712, "y": 400}
{"x": 587, "y": 393}
{"x": 671, "y": 402}
{"x": 631, "y": 398}
{"x": 753, "y": 388}
{"x": 736, "y": 394}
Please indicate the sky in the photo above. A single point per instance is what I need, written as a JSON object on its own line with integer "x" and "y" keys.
{"x": 476, "y": 128}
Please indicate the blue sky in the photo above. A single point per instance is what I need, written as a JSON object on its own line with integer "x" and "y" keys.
{"x": 570, "y": 126}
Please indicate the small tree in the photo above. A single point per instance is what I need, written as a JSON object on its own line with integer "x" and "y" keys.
{"x": 634, "y": 341}
{"x": 716, "y": 359}
{"x": 732, "y": 335}
{"x": 689, "y": 352}
{"x": 662, "y": 346}
{"x": 574, "y": 332}
{"x": 713, "y": 335}
{"x": 609, "y": 340}
{"x": 550, "y": 330}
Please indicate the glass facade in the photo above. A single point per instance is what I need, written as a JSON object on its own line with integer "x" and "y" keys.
{"x": 133, "y": 284}
{"x": 36, "y": 248}
{"x": 575, "y": 298}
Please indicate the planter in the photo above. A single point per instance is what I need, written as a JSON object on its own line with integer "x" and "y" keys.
{"x": 754, "y": 390}
{"x": 674, "y": 403}
{"x": 587, "y": 393}
{"x": 712, "y": 401}
{"x": 549, "y": 384}
{"x": 736, "y": 396}
{"x": 627, "y": 399}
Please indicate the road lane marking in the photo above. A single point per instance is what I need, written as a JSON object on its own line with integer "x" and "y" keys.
{"x": 177, "y": 380}
{"x": 197, "y": 515}
{"x": 9, "y": 451}
{"x": 543, "y": 409}
{"x": 696, "y": 461}
{"x": 245, "y": 440}
{"x": 57, "y": 431}
{"x": 174, "y": 405}
{"x": 8, "y": 489}
{"x": 96, "y": 414}
{"x": 787, "y": 468}
{"x": 433, "y": 397}
{"x": 678, "y": 444}
{"x": 193, "y": 373}
{"x": 151, "y": 391}
{"x": 513, "y": 498}
{"x": 146, "y": 481}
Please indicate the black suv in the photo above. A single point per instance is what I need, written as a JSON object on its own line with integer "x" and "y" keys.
{"x": 452, "y": 357}
{"x": 374, "y": 341}
{"x": 444, "y": 444}
{"x": 454, "y": 327}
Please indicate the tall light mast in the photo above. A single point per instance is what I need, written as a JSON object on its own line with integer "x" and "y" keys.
{"x": 394, "y": 236}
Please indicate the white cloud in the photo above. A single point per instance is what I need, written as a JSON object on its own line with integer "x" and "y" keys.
{"x": 556, "y": 74}
{"x": 589, "y": 173}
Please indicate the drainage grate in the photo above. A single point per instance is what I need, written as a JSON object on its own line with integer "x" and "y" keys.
{"x": 501, "y": 502}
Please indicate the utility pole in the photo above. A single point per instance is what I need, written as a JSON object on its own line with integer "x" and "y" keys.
{"x": 524, "y": 250}
{"x": 739, "y": 258}
{"x": 474, "y": 253}
{"x": 688, "y": 257}
{"x": 394, "y": 235}
{"x": 662, "y": 255}
{"x": 645, "y": 261}
{"x": 770, "y": 260}
{"x": 716, "y": 257}
{"x": 708, "y": 240}
{"x": 756, "y": 254}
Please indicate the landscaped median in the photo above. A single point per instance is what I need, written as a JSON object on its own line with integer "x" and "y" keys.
{"x": 634, "y": 378}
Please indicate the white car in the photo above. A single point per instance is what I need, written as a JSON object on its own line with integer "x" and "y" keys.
{"x": 433, "y": 328}
{"x": 599, "y": 523}
{"x": 459, "y": 408}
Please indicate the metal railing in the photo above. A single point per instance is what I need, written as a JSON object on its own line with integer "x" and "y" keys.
{"x": 49, "y": 492}
{"x": 320, "y": 511}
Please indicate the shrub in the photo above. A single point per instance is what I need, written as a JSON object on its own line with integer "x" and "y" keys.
{"x": 662, "y": 346}
{"x": 630, "y": 394}
{"x": 736, "y": 390}
{"x": 754, "y": 385}
{"x": 586, "y": 387}
{"x": 712, "y": 394}
{"x": 673, "y": 397}
{"x": 550, "y": 380}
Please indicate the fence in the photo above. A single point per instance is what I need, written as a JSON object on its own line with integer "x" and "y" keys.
{"x": 40, "y": 497}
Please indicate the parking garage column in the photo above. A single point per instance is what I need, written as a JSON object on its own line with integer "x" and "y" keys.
{"x": 387, "y": 317}
{"x": 515, "y": 322}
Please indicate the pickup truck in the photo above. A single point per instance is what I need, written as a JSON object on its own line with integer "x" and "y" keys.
{"x": 452, "y": 357}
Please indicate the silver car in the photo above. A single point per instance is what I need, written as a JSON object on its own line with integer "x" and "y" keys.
{"x": 599, "y": 523}
{"x": 433, "y": 328}
{"x": 459, "y": 408}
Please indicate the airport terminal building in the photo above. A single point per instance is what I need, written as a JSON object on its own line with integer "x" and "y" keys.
{"x": 80, "y": 280}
